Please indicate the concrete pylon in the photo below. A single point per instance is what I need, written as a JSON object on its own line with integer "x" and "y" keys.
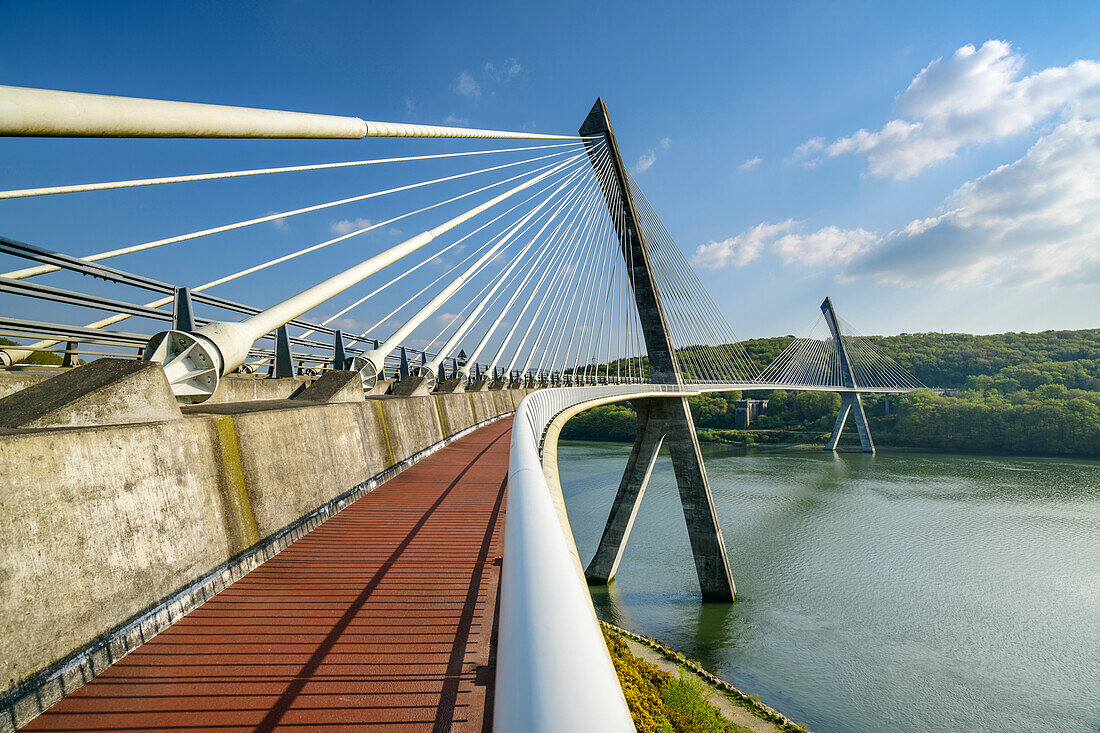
{"x": 667, "y": 417}
{"x": 666, "y": 421}
{"x": 648, "y": 439}
{"x": 850, "y": 402}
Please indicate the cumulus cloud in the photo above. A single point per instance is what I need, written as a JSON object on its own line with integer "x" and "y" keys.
{"x": 466, "y": 85}
{"x": 488, "y": 79}
{"x": 347, "y": 226}
{"x": 666, "y": 143}
{"x": 742, "y": 249}
{"x": 645, "y": 160}
{"x": 830, "y": 244}
{"x": 445, "y": 319}
{"x": 750, "y": 163}
{"x": 975, "y": 96}
{"x": 1033, "y": 220}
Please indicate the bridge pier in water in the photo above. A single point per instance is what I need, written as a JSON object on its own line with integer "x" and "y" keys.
{"x": 660, "y": 419}
{"x": 850, "y": 402}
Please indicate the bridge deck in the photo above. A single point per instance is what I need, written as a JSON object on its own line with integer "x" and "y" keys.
{"x": 382, "y": 616}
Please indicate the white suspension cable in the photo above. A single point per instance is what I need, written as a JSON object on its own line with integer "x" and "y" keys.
{"x": 138, "y": 182}
{"x": 42, "y": 269}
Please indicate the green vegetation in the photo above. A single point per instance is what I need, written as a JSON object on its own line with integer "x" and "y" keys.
{"x": 948, "y": 360}
{"x": 1015, "y": 393}
{"x": 661, "y": 703}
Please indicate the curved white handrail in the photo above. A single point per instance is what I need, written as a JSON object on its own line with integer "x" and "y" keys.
{"x": 554, "y": 672}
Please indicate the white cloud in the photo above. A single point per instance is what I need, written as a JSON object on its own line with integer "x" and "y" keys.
{"x": 742, "y": 249}
{"x": 666, "y": 143}
{"x": 445, "y": 319}
{"x": 750, "y": 163}
{"x": 645, "y": 160}
{"x": 451, "y": 119}
{"x": 1034, "y": 220}
{"x": 507, "y": 71}
{"x": 491, "y": 77}
{"x": 281, "y": 223}
{"x": 827, "y": 245}
{"x": 975, "y": 96}
{"x": 347, "y": 226}
{"x": 349, "y": 325}
{"x": 1031, "y": 221}
{"x": 466, "y": 85}
{"x": 808, "y": 149}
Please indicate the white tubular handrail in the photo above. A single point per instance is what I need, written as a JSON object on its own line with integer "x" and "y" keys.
{"x": 554, "y": 672}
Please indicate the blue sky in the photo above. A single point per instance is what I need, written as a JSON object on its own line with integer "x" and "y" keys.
{"x": 968, "y": 203}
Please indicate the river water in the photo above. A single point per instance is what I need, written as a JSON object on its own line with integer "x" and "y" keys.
{"x": 900, "y": 592}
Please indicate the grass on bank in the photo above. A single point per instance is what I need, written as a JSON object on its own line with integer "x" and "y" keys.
{"x": 662, "y": 703}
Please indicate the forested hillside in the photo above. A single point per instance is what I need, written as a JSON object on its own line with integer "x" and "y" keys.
{"x": 1019, "y": 393}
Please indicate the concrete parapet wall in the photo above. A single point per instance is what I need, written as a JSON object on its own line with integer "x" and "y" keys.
{"x": 95, "y": 525}
{"x": 247, "y": 389}
{"x": 12, "y": 382}
{"x": 99, "y": 525}
{"x": 455, "y": 409}
{"x": 411, "y": 424}
{"x": 483, "y": 403}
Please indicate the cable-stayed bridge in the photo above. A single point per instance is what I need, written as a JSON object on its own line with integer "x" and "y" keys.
{"x": 537, "y": 271}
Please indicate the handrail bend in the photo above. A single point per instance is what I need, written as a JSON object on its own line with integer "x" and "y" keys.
{"x": 554, "y": 672}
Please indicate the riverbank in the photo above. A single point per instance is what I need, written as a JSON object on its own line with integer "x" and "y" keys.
{"x": 806, "y": 440}
{"x": 744, "y": 712}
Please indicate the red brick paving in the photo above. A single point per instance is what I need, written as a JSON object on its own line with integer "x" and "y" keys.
{"x": 382, "y": 617}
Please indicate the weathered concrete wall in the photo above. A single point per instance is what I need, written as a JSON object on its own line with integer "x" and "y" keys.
{"x": 12, "y": 382}
{"x": 230, "y": 389}
{"x": 455, "y": 410}
{"x": 411, "y": 423}
{"x": 250, "y": 388}
{"x": 484, "y": 404}
{"x": 100, "y": 524}
{"x": 95, "y": 525}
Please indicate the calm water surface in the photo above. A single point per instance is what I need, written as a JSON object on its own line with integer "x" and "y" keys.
{"x": 902, "y": 592}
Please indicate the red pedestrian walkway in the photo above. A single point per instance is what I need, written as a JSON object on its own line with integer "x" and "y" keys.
{"x": 383, "y": 617}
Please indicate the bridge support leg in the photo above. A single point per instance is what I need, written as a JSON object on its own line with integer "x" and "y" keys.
{"x": 668, "y": 420}
{"x": 850, "y": 403}
{"x": 647, "y": 444}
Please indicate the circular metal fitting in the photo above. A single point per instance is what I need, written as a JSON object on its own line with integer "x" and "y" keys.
{"x": 191, "y": 363}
